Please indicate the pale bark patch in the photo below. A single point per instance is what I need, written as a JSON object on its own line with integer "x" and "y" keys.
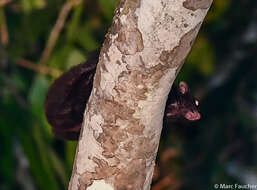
{"x": 100, "y": 185}
{"x": 178, "y": 54}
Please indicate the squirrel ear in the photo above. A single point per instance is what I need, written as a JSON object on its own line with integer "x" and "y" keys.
{"x": 183, "y": 88}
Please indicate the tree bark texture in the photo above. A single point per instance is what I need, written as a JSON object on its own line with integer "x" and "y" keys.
{"x": 144, "y": 50}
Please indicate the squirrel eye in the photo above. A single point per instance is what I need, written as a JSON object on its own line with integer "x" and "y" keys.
{"x": 196, "y": 102}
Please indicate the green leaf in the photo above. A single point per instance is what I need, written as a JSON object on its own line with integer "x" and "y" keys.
{"x": 202, "y": 56}
{"x": 108, "y": 7}
{"x": 70, "y": 153}
{"x": 36, "y": 95}
{"x": 60, "y": 56}
{"x": 85, "y": 38}
{"x": 74, "y": 23}
{"x": 37, "y": 150}
{"x": 75, "y": 57}
{"x": 30, "y": 5}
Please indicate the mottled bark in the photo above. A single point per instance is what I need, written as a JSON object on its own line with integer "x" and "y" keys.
{"x": 142, "y": 54}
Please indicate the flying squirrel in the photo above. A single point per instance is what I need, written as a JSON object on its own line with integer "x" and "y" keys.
{"x": 67, "y": 98}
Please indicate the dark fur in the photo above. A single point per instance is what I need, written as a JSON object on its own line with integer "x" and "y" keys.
{"x": 67, "y": 98}
{"x": 181, "y": 104}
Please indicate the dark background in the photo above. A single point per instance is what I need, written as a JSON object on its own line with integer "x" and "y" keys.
{"x": 221, "y": 71}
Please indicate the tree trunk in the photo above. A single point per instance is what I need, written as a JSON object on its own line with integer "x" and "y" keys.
{"x": 144, "y": 49}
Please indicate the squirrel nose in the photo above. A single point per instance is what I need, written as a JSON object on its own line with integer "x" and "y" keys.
{"x": 193, "y": 116}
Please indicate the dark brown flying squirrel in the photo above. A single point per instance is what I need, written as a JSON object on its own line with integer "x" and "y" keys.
{"x": 68, "y": 95}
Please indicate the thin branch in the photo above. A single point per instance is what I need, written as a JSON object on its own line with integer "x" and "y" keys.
{"x": 38, "y": 68}
{"x": 57, "y": 29}
{"x": 3, "y": 28}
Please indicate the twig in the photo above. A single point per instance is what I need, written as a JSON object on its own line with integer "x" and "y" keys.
{"x": 38, "y": 68}
{"x": 57, "y": 29}
{"x": 4, "y": 2}
{"x": 3, "y": 28}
